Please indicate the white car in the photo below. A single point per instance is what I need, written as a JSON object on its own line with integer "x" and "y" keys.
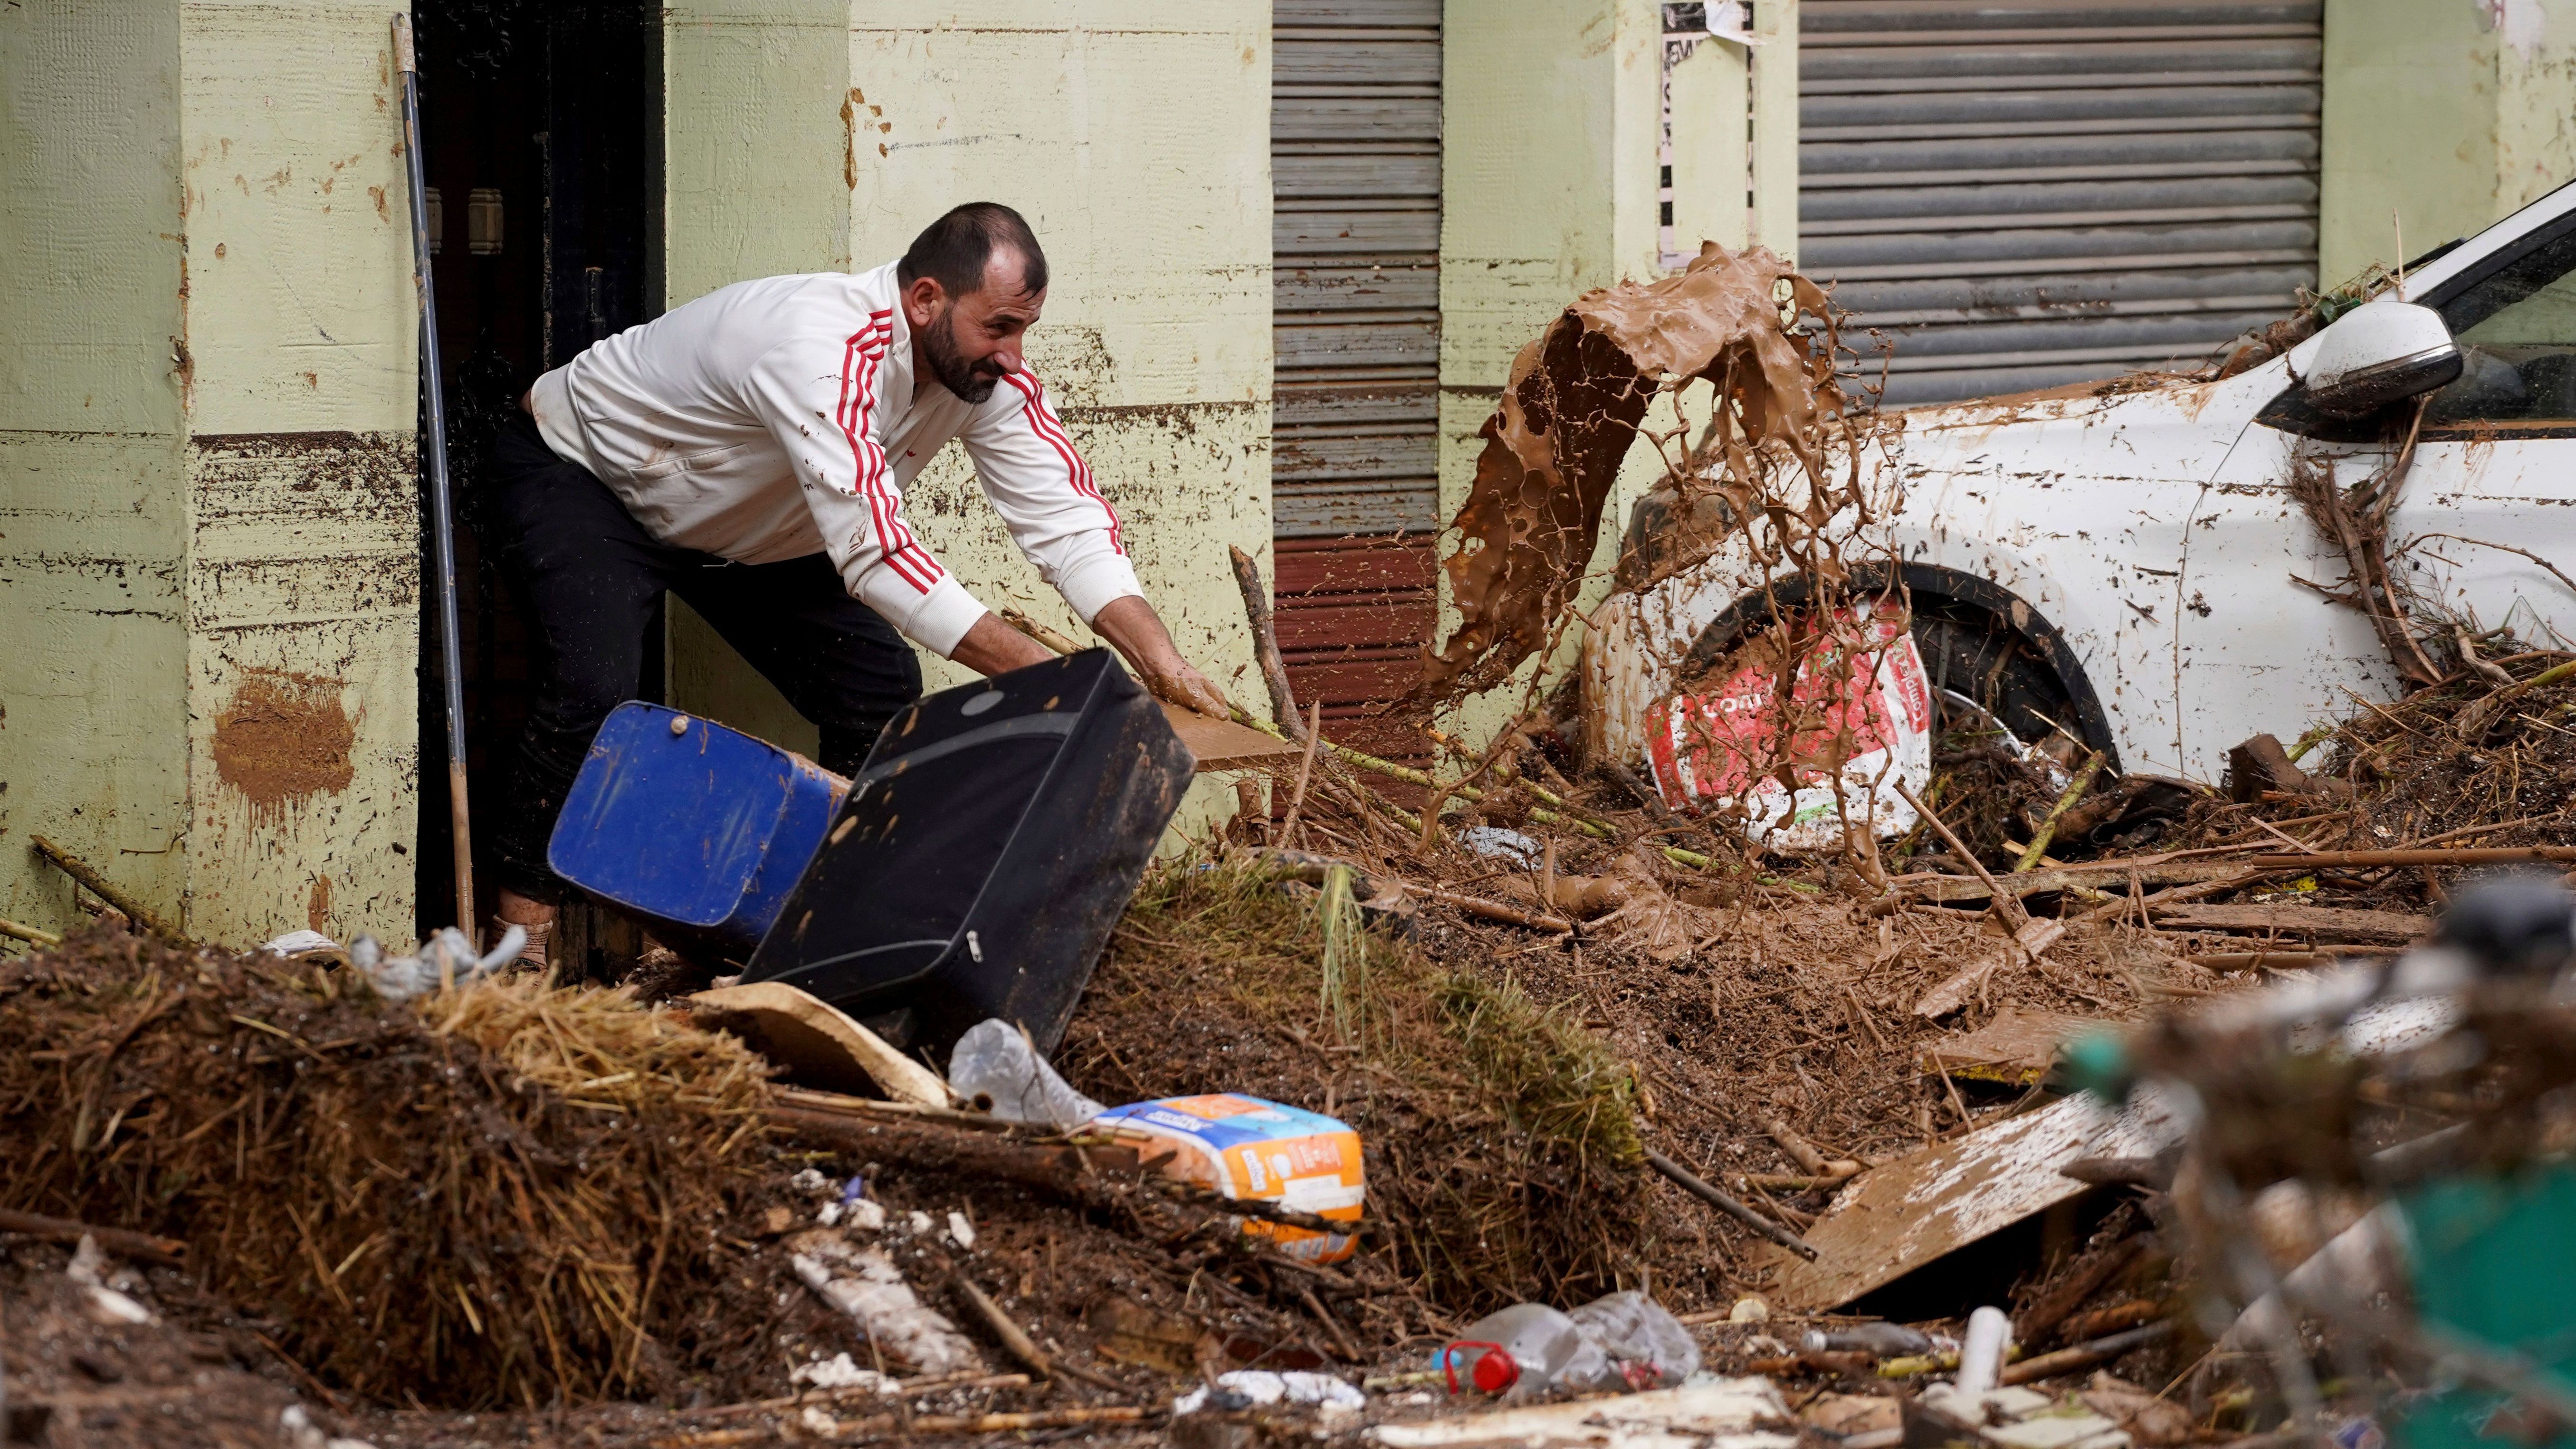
{"x": 2127, "y": 558}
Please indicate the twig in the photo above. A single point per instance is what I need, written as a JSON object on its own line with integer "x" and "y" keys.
{"x": 1350, "y": 1351}
{"x": 1040, "y": 632}
{"x": 1017, "y": 1343}
{"x": 2469, "y": 655}
{"x": 904, "y": 1388}
{"x": 1305, "y": 772}
{"x": 1493, "y": 910}
{"x": 2006, "y": 904}
{"x": 2454, "y": 855}
{"x": 1691, "y": 1183}
{"x": 2084, "y": 1355}
{"x": 2047, "y": 831}
{"x": 2472, "y": 721}
{"x": 167, "y": 1251}
{"x": 29, "y": 934}
{"x": 1265, "y": 644}
{"x": 106, "y": 890}
{"x": 2506, "y": 547}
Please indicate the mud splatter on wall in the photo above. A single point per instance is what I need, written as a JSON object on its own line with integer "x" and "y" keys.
{"x": 284, "y": 737}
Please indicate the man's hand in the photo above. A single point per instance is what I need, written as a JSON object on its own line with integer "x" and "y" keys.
{"x": 1132, "y": 626}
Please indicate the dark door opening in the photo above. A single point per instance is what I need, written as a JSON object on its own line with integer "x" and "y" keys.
{"x": 541, "y": 129}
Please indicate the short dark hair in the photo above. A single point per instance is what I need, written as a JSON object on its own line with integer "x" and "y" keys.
{"x": 955, "y": 249}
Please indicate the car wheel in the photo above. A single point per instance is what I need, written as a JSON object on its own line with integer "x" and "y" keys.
{"x": 1976, "y": 653}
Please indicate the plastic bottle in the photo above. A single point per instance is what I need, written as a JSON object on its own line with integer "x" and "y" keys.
{"x": 1619, "y": 1343}
{"x": 994, "y": 1069}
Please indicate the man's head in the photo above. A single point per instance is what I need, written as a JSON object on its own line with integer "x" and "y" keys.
{"x": 973, "y": 283}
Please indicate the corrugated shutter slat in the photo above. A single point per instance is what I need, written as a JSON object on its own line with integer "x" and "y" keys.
{"x": 2034, "y": 192}
{"x": 1355, "y": 172}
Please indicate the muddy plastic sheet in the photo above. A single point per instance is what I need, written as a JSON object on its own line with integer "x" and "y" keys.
{"x": 1570, "y": 410}
{"x": 1803, "y": 765}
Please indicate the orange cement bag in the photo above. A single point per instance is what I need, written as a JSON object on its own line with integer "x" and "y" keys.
{"x": 1244, "y": 1147}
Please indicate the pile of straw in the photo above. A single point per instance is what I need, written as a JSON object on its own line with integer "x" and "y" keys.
{"x": 502, "y": 1194}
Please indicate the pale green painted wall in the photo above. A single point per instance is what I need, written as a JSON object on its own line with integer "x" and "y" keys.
{"x": 1134, "y": 134}
{"x": 93, "y": 507}
{"x": 757, "y": 132}
{"x": 205, "y": 473}
{"x": 2435, "y": 115}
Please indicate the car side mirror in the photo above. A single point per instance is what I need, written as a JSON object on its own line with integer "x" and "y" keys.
{"x": 2376, "y": 354}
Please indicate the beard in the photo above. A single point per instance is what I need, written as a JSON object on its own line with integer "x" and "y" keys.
{"x": 972, "y": 382}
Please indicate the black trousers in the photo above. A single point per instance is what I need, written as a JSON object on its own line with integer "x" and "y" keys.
{"x": 591, "y": 576}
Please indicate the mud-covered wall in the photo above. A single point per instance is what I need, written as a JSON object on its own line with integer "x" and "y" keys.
{"x": 2448, "y": 113}
{"x": 209, "y": 507}
{"x": 1134, "y": 134}
{"x": 303, "y": 579}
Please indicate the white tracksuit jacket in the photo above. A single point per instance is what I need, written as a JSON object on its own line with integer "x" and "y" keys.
{"x": 776, "y": 418}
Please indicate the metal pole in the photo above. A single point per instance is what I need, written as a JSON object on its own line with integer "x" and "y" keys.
{"x": 442, "y": 520}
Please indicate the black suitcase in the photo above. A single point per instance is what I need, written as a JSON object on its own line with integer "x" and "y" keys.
{"x": 984, "y": 855}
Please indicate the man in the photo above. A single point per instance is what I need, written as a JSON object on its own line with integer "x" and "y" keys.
{"x": 748, "y": 451}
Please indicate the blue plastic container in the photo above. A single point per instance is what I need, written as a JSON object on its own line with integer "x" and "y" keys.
{"x": 700, "y": 829}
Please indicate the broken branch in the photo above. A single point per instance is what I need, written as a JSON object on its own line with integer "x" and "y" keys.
{"x": 107, "y": 890}
{"x": 2047, "y": 832}
{"x": 1690, "y": 1182}
{"x": 132, "y": 1244}
{"x": 2462, "y": 855}
{"x": 1265, "y": 644}
{"x": 2006, "y": 904}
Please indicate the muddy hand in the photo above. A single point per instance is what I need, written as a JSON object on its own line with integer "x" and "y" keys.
{"x": 1185, "y": 686}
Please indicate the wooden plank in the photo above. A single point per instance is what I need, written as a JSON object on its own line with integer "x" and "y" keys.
{"x": 1356, "y": 118}
{"x": 1374, "y": 342}
{"x": 1356, "y": 679}
{"x": 2112, "y": 876}
{"x": 1410, "y": 288}
{"x": 1377, "y": 171}
{"x": 2015, "y": 1048}
{"x": 1398, "y": 59}
{"x": 1404, "y": 403}
{"x": 1353, "y": 509}
{"x": 1333, "y": 230}
{"x": 1292, "y": 15}
{"x": 1892, "y": 1220}
{"x": 1222, "y": 744}
{"x": 2315, "y": 923}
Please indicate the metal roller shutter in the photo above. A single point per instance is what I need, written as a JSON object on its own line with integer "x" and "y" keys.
{"x": 1355, "y": 177}
{"x": 2036, "y": 192}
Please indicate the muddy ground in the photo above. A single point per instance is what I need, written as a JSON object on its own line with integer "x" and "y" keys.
{"x": 1503, "y": 1078}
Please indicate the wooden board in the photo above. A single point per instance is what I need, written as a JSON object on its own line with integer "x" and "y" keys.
{"x": 1222, "y": 744}
{"x": 2316, "y": 923}
{"x": 815, "y": 1044}
{"x": 1892, "y": 1220}
{"x": 2015, "y": 1048}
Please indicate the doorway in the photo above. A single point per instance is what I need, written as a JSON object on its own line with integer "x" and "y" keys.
{"x": 541, "y": 130}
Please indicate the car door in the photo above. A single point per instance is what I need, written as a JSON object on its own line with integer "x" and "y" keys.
{"x": 2486, "y": 510}
{"x": 2489, "y": 506}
